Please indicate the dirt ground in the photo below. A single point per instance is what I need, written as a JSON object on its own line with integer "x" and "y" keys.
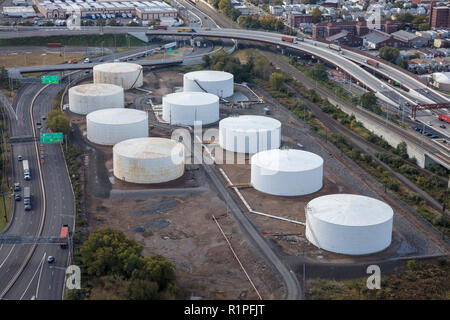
{"x": 36, "y": 59}
{"x": 182, "y": 229}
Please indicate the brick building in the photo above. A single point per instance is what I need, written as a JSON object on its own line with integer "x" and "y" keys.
{"x": 324, "y": 30}
{"x": 440, "y": 17}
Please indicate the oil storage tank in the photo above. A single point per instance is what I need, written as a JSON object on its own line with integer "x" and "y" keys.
{"x": 219, "y": 83}
{"x": 183, "y": 108}
{"x": 86, "y": 98}
{"x": 148, "y": 160}
{"x": 349, "y": 224}
{"x": 124, "y": 74}
{"x": 249, "y": 134}
{"x": 286, "y": 172}
{"x": 110, "y": 126}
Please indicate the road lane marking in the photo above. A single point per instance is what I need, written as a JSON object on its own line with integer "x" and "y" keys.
{"x": 34, "y": 275}
{"x": 1, "y": 265}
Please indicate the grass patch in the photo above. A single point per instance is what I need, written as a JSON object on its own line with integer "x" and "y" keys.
{"x": 109, "y": 40}
{"x": 38, "y": 59}
{"x": 419, "y": 281}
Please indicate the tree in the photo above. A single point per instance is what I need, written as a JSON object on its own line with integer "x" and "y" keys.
{"x": 109, "y": 252}
{"x": 158, "y": 270}
{"x": 318, "y": 72}
{"x": 424, "y": 26}
{"x": 316, "y": 15}
{"x": 140, "y": 289}
{"x": 389, "y": 53}
{"x": 402, "y": 150}
{"x": 276, "y": 80}
{"x": 4, "y": 78}
{"x": 112, "y": 22}
{"x": 57, "y": 121}
{"x": 403, "y": 63}
{"x": 404, "y": 17}
{"x": 368, "y": 100}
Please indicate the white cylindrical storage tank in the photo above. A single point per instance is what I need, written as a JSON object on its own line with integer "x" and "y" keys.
{"x": 219, "y": 83}
{"x": 349, "y": 224}
{"x": 286, "y": 172}
{"x": 249, "y": 134}
{"x": 126, "y": 75}
{"x": 110, "y": 126}
{"x": 148, "y": 160}
{"x": 86, "y": 98}
{"x": 183, "y": 108}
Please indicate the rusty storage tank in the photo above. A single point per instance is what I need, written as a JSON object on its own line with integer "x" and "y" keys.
{"x": 110, "y": 126}
{"x": 148, "y": 160}
{"x": 90, "y": 97}
{"x": 126, "y": 75}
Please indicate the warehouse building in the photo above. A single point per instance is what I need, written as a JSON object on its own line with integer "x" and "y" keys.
{"x": 145, "y": 10}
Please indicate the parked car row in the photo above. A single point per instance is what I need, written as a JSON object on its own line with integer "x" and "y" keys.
{"x": 104, "y": 16}
{"x": 426, "y": 133}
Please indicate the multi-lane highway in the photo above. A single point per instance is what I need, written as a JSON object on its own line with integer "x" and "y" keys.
{"x": 345, "y": 62}
{"x": 25, "y": 273}
{"x": 24, "y": 266}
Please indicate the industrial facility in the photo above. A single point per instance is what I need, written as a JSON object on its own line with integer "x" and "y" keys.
{"x": 110, "y": 126}
{"x": 349, "y": 224}
{"x": 184, "y": 108}
{"x": 86, "y": 98}
{"x": 216, "y": 82}
{"x": 249, "y": 134}
{"x": 286, "y": 172}
{"x": 124, "y": 74}
{"x": 148, "y": 160}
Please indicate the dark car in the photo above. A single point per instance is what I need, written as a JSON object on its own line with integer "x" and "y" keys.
{"x": 16, "y": 186}
{"x": 19, "y": 157}
{"x": 442, "y": 126}
{"x": 17, "y": 197}
{"x": 51, "y": 259}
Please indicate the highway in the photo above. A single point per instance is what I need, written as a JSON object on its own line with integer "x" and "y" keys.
{"x": 344, "y": 61}
{"x": 25, "y": 273}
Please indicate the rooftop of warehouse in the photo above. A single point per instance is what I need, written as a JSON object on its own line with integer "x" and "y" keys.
{"x": 107, "y": 4}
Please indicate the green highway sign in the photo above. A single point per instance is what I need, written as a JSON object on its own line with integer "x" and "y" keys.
{"x": 170, "y": 50}
{"x": 50, "y": 79}
{"x": 51, "y": 137}
{"x": 176, "y": 52}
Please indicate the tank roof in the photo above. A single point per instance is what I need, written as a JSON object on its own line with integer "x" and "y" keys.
{"x": 148, "y": 148}
{"x": 287, "y": 160}
{"x": 209, "y": 75}
{"x": 96, "y": 89}
{"x": 250, "y": 123}
{"x": 191, "y": 98}
{"x": 349, "y": 210}
{"x": 118, "y": 67}
{"x": 117, "y": 116}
